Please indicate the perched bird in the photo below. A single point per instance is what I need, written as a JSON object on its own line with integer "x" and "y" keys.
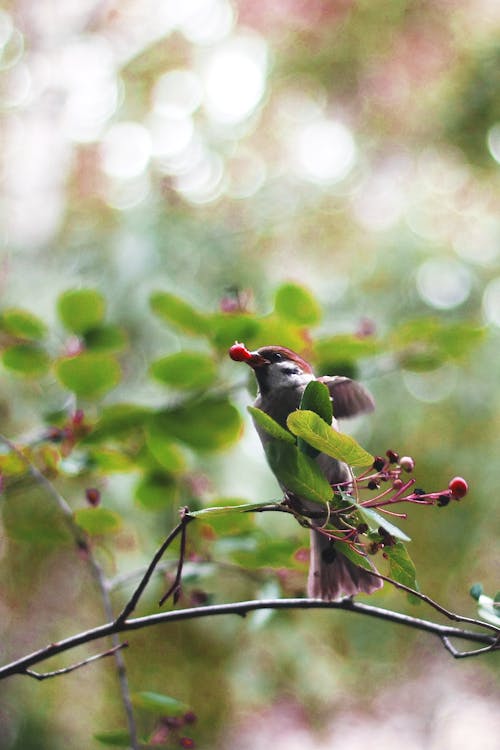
{"x": 282, "y": 376}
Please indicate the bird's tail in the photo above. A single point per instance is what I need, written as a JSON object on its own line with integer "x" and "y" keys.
{"x": 332, "y": 575}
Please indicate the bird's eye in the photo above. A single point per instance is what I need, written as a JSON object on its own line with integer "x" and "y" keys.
{"x": 277, "y": 357}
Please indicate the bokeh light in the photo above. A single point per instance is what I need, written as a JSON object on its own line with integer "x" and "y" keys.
{"x": 443, "y": 284}
{"x": 491, "y": 302}
{"x": 126, "y": 150}
{"x": 324, "y": 150}
{"x": 234, "y": 76}
{"x": 493, "y": 140}
{"x": 177, "y": 94}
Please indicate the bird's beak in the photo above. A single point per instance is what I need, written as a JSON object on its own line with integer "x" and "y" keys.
{"x": 256, "y": 360}
{"x": 240, "y": 353}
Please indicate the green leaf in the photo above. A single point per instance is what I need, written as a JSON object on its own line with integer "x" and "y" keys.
{"x": 156, "y": 492}
{"x": 360, "y": 560}
{"x": 268, "y": 553}
{"x": 118, "y": 420}
{"x": 269, "y": 425}
{"x": 424, "y": 361}
{"x": 11, "y": 464}
{"x": 208, "y": 424}
{"x": 89, "y": 375}
{"x": 476, "y": 590}
{"x": 108, "y": 460}
{"x": 401, "y": 566}
{"x": 316, "y": 398}
{"x": 296, "y": 304}
{"x": 274, "y": 328}
{"x": 22, "y": 324}
{"x": 425, "y": 343}
{"x": 167, "y": 454}
{"x": 31, "y": 516}
{"x": 375, "y": 520}
{"x": 179, "y": 313}
{"x": 81, "y": 309}
{"x": 297, "y": 472}
{"x": 229, "y": 517}
{"x": 345, "y": 348}
{"x": 310, "y": 427}
{"x": 226, "y": 328}
{"x": 159, "y": 703}
{"x": 26, "y": 359}
{"x": 96, "y": 521}
{"x": 114, "y": 737}
{"x": 185, "y": 370}
{"x": 106, "y": 338}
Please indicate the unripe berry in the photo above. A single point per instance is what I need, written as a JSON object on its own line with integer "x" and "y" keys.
{"x": 239, "y": 352}
{"x": 407, "y": 463}
{"x": 443, "y": 500}
{"x": 458, "y": 488}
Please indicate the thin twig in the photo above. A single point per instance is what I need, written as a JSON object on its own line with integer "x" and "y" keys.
{"x": 175, "y": 588}
{"x": 464, "y": 654}
{"x": 132, "y": 602}
{"x": 66, "y": 670}
{"x": 121, "y": 668}
{"x": 243, "y": 608}
{"x": 438, "y": 607}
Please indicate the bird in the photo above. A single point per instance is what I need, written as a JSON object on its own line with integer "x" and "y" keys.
{"x": 282, "y": 376}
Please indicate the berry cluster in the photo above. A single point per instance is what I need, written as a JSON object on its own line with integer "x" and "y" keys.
{"x": 390, "y": 470}
{"x": 69, "y": 433}
{"x": 169, "y": 731}
{"x": 387, "y": 477}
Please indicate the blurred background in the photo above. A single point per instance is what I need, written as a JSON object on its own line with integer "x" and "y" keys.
{"x": 205, "y": 146}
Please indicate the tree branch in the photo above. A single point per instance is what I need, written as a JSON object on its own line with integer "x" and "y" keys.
{"x": 22, "y": 665}
{"x": 65, "y": 670}
{"x": 438, "y": 607}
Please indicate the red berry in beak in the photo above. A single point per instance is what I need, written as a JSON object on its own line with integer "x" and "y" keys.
{"x": 239, "y": 352}
{"x": 458, "y": 488}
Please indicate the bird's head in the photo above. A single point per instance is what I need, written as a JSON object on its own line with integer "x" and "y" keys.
{"x": 275, "y": 367}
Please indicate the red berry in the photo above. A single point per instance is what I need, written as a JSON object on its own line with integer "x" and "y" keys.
{"x": 458, "y": 488}
{"x": 239, "y": 352}
{"x": 78, "y": 417}
{"x": 93, "y": 496}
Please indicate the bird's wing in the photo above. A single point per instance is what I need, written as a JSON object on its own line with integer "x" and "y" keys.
{"x": 349, "y": 397}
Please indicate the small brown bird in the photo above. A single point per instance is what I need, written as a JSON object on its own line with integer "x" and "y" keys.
{"x": 282, "y": 376}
